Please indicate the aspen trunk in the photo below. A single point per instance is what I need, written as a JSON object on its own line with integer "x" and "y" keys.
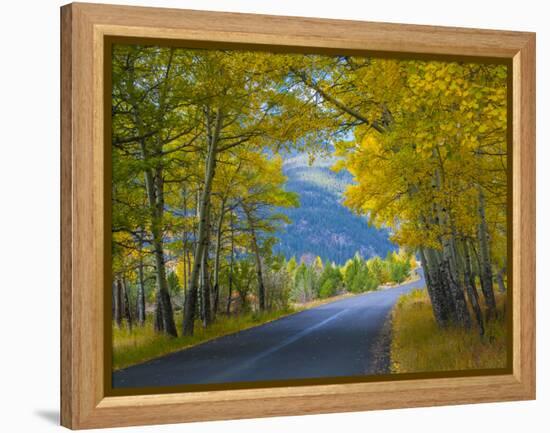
{"x": 440, "y": 297}
{"x": 449, "y": 275}
{"x": 231, "y": 263}
{"x": 155, "y": 196}
{"x": 118, "y": 302}
{"x": 141, "y": 294}
{"x": 164, "y": 305}
{"x": 159, "y": 326}
{"x": 448, "y": 263}
{"x": 500, "y": 280}
{"x": 163, "y": 296}
{"x": 217, "y": 259}
{"x": 259, "y": 274}
{"x": 185, "y": 242}
{"x": 442, "y": 288}
{"x": 471, "y": 290}
{"x": 206, "y": 313}
{"x": 113, "y": 299}
{"x": 451, "y": 278}
{"x": 258, "y": 262}
{"x": 127, "y": 310}
{"x": 486, "y": 273}
{"x": 436, "y": 291}
{"x": 204, "y": 212}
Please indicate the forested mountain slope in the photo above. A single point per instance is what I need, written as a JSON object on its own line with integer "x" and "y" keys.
{"x": 322, "y": 225}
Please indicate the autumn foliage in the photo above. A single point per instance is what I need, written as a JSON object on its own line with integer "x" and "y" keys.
{"x": 198, "y": 187}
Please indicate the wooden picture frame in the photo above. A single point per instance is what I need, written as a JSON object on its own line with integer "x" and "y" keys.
{"x": 84, "y": 28}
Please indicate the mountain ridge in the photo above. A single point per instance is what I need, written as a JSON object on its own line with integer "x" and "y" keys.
{"x": 322, "y": 226}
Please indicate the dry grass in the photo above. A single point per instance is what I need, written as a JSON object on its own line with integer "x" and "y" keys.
{"x": 143, "y": 343}
{"x": 419, "y": 345}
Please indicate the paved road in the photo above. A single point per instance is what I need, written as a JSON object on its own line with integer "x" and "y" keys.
{"x": 335, "y": 339}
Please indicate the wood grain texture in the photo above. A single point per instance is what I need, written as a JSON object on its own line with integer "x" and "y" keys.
{"x": 524, "y": 216}
{"x": 66, "y": 218}
{"x": 83, "y": 400}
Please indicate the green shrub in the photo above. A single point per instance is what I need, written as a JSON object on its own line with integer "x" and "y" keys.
{"x": 328, "y": 289}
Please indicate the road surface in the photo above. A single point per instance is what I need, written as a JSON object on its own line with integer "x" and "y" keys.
{"x": 334, "y": 339}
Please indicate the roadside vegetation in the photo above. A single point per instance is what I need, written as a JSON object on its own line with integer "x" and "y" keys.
{"x": 296, "y": 286}
{"x": 420, "y": 345}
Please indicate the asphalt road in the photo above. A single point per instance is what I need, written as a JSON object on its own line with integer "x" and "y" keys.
{"x": 334, "y": 339}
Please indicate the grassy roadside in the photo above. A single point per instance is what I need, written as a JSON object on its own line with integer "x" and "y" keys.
{"x": 144, "y": 344}
{"x": 418, "y": 345}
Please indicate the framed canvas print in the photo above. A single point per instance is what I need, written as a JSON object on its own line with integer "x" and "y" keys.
{"x": 269, "y": 216}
